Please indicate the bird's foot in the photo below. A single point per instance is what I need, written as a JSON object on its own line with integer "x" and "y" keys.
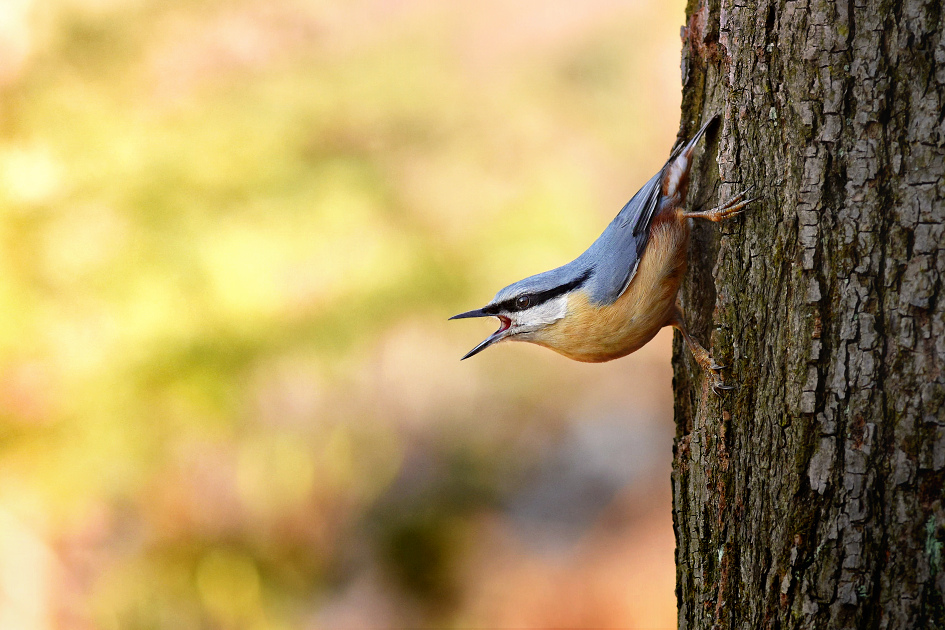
{"x": 715, "y": 380}
{"x": 734, "y": 206}
{"x": 711, "y": 367}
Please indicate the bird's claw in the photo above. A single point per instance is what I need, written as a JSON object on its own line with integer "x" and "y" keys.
{"x": 715, "y": 379}
{"x": 719, "y": 386}
{"x": 737, "y": 204}
{"x": 739, "y": 196}
{"x": 737, "y": 207}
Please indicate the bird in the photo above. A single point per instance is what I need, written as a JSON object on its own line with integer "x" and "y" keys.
{"x": 613, "y": 299}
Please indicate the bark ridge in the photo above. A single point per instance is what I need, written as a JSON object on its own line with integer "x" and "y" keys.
{"x": 812, "y": 497}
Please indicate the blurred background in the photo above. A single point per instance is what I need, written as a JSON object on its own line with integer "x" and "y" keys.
{"x": 232, "y": 232}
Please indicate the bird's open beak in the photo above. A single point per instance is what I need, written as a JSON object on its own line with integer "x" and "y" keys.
{"x": 495, "y": 337}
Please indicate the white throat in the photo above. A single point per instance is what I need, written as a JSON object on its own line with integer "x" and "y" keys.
{"x": 540, "y": 316}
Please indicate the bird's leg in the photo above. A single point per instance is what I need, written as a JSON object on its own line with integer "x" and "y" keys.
{"x": 730, "y": 208}
{"x": 701, "y": 355}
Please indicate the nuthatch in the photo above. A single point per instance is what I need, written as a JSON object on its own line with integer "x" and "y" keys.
{"x": 615, "y": 297}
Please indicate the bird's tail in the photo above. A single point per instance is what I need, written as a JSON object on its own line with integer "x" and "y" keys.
{"x": 671, "y": 182}
{"x": 683, "y": 146}
{"x": 674, "y": 178}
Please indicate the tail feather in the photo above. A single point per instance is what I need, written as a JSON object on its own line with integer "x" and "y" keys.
{"x": 674, "y": 181}
{"x": 667, "y": 180}
{"x": 682, "y": 145}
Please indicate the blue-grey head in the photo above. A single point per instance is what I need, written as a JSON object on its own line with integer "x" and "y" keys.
{"x": 528, "y": 306}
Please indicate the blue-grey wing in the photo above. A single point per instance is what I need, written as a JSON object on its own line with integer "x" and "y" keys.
{"x": 616, "y": 253}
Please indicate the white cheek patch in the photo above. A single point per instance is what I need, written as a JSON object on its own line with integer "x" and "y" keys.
{"x": 543, "y": 314}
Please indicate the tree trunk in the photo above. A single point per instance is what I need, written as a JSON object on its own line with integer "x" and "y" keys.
{"x": 812, "y": 495}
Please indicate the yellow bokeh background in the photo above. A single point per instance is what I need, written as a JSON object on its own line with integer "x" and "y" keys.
{"x": 231, "y": 234}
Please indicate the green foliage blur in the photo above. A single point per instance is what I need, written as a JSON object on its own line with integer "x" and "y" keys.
{"x": 231, "y": 234}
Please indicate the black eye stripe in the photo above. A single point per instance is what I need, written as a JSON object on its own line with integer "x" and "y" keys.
{"x": 535, "y": 299}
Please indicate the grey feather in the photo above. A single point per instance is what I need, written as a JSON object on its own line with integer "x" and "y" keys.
{"x": 616, "y": 253}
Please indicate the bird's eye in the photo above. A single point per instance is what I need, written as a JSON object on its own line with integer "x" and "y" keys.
{"x": 522, "y": 302}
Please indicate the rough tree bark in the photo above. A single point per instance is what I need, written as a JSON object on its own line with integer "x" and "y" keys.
{"x": 812, "y": 496}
